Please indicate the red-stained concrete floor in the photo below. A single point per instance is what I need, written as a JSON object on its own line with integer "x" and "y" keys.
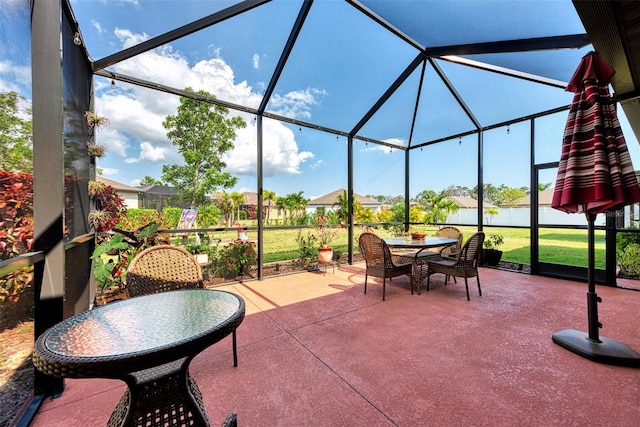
{"x": 315, "y": 351}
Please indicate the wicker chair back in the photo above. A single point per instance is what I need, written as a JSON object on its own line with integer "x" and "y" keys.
{"x": 453, "y": 233}
{"x": 163, "y": 268}
{"x": 464, "y": 264}
{"x": 380, "y": 262}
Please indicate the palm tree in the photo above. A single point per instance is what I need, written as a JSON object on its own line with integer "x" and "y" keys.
{"x": 269, "y": 196}
{"x": 237, "y": 199}
{"x": 342, "y": 201}
{"x": 225, "y": 204}
{"x": 438, "y": 207}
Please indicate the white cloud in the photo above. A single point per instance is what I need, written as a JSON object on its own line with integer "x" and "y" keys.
{"x": 97, "y": 26}
{"x": 256, "y": 61}
{"x": 280, "y": 151}
{"x": 317, "y": 164}
{"x": 13, "y": 77}
{"x": 383, "y": 148}
{"x": 128, "y": 38}
{"x": 138, "y": 112}
{"x": 296, "y": 104}
{"x": 108, "y": 171}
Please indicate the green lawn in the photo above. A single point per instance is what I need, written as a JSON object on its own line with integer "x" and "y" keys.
{"x": 559, "y": 246}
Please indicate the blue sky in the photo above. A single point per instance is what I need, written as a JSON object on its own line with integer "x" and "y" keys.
{"x": 341, "y": 65}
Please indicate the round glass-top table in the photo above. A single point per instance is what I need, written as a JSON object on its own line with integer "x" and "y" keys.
{"x": 148, "y": 342}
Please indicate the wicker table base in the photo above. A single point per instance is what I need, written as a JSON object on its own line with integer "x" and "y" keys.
{"x": 161, "y": 396}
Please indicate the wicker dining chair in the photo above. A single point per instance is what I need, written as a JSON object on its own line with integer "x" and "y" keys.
{"x": 380, "y": 262}
{"x": 453, "y": 233}
{"x": 465, "y": 263}
{"x": 164, "y": 268}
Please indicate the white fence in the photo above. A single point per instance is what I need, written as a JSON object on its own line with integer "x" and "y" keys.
{"x": 520, "y": 217}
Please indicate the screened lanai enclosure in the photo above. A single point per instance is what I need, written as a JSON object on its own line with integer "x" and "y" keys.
{"x": 388, "y": 98}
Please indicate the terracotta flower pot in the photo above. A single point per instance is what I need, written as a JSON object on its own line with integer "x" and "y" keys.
{"x": 325, "y": 255}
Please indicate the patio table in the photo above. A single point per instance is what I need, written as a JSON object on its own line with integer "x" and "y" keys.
{"x": 148, "y": 342}
{"x": 419, "y": 266}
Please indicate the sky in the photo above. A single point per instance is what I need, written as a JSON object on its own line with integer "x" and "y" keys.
{"x": 341, "y": 65}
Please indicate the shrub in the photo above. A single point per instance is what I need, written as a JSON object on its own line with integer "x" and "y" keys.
{"x": 171, "y": 217}
{"x": 629, "y": 260}
{"x": 208, "y": 216}
{"x": 135, "y": 218}
{"x": 16, "y": 229}
{"x": 235, "y": 259}
{"x": 625, "y": 238}
{"x": 109, "y": 206}
{"x": 307, "y": 249}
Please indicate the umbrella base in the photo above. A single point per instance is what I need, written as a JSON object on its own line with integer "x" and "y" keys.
{"x": 607, "y": 351}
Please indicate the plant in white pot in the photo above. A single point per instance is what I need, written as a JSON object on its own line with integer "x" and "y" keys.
{"x": 200, "y": 251}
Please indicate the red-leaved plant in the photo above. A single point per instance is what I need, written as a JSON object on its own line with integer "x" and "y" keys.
{"x": 16, "y": 229}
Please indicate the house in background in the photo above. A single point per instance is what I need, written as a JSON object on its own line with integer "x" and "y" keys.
{"x": 129, "y": 194}
{"x": 159, "y": 197}
{"x": 250, "y": 205}
{"x": 328, "y": 202}
{"x": 468, "y": 212}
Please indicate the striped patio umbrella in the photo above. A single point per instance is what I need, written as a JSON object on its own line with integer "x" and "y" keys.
{"x": 595, "y": 175}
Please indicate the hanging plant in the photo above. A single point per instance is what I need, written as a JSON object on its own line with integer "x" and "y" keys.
{"x": 95, "y": 122}
{"x": 96, "y": 150}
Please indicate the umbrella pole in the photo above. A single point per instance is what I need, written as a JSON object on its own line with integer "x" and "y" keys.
{"x": 590, "y": 345}
{"x": 592, "y": 296}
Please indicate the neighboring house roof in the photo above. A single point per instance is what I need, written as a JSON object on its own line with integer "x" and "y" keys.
{"x": 544, "y": 198}
{"x": 160, "y": 189}
{"x": 118, "y": 186}
{"x": 465, "y": 202}
{"x": 252, "y": 199}
{"x": 331, "y": 198}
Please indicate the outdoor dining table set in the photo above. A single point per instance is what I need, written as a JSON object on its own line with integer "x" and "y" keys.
{"x": 417, "y": 251}
{"x": 148, "y": 342}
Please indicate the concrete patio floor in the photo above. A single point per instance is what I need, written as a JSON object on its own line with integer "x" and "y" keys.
{"x": 315, "y": 351}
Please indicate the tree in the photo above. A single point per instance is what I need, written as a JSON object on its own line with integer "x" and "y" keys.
{"x": 268, "y": 196}
{"x": 237, "y": 199}
{"x": 16, "y": 152}
{"x": 292, "y": 204}
{"x": 225, "y": 204}
{"x": 544, "y": 186}
{"x": 510, "y": 196}
{"x": 342, "y": 201}
{"x": 438, "y": 207}
{"x": 148, "y": 181}
{"x": 203, "y": 133}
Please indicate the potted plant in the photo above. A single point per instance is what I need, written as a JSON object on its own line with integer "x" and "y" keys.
{"x": 325, "y": 235}
{"x": 491, "y": 255}
{"x": 200, "y": 251}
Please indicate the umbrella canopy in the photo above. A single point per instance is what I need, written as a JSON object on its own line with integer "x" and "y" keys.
{"x": 595, "y": 172}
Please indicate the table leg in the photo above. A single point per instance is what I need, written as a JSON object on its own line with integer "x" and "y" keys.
{"x": 163, "y": 396}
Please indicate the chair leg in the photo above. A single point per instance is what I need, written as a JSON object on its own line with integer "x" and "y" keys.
{"x": 365, "y": 282}
{"x": 235, "y": 349}
{"x": 384, "y": 283}
{"x": 466, "y": 285}
{"x": 428, "y": 281}
{"x": 478, "y": 280}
